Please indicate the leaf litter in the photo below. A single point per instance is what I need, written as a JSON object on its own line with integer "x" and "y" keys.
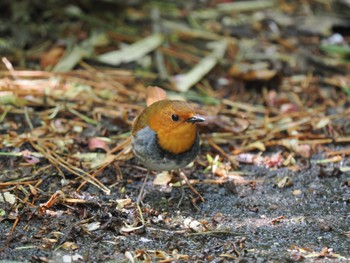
{"x": 272, "y": 80}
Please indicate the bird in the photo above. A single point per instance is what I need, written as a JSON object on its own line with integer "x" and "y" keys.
{"x": 165, "y": 137}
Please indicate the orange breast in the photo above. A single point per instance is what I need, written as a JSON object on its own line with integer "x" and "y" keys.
{"x": 179, "y": 139}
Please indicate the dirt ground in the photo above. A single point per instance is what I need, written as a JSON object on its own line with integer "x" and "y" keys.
{"x": 251, "y": 222}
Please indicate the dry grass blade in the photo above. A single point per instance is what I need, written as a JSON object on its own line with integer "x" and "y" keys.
{"x": 132, "y": 52}
{"x": 242, "y": 6}
{"x": 183, "y": 82}
{"x": 57, "y": 161}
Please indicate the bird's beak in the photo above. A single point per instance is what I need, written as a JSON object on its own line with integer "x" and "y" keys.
{"x": 195, "y": 118}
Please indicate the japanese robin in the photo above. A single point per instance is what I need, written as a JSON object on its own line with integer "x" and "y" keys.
{"x": 165, "y": 136}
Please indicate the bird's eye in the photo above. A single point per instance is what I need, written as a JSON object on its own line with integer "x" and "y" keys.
{"x": 175, "y": 117}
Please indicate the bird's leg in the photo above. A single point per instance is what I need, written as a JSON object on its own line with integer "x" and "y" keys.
{"x": 182, "y": 190}
{"x": 183, "y": 176}
{"x": 140, "y": 197}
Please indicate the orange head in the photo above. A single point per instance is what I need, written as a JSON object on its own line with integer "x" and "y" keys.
{"x": 174, "y": 123}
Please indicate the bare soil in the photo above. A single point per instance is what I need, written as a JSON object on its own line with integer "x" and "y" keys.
{"x": 254, "y": 222}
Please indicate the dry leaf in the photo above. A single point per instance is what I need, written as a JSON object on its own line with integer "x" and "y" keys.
{"x": 277, "y": 220}
{"x": 98, "y": 143}
{"x": 297, "y": 192}
{"x": 154, "y": 94}
{"x": 7, "y": 197}
{"x": 284, "y": 182}
{"x": 51, "y": 57}
{"x": 162, "y": 179}
{"x": 69, "y": 245}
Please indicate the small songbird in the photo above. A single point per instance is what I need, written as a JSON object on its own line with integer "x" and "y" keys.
{"x": 165, "y": 136}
